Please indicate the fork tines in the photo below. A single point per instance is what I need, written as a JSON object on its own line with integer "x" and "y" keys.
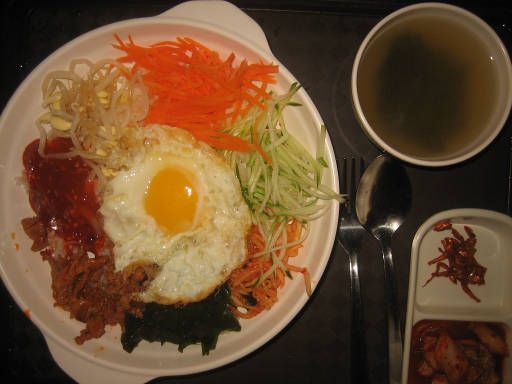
{"x": 349, "y": 181}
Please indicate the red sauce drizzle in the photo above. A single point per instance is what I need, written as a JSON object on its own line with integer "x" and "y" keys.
{"x": 67, "y": 229}
{"x": 62, "y": 193}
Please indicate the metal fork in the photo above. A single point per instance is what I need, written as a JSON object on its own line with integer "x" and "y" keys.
{"x": 350, "y": 235}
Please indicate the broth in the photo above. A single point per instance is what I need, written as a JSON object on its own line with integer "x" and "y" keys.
{"x": 427, "y": 85}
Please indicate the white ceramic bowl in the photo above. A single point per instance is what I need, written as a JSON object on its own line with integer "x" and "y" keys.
{"x": 502, "y": 67}
{"x": 27, "y": 277}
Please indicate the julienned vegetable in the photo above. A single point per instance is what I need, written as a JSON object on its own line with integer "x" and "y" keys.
{"x": 193, "y": 89}
{"x": 291, "y": 184}
{"x": 287, "y": 190}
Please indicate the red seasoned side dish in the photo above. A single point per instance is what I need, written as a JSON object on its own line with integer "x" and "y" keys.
{"x": 457, "y": 260}
{"x": 67, "y": 230}
{"x": 457, "y": 352}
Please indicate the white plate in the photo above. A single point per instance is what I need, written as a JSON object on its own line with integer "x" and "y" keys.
{"x": 442, "y": 300}
{"x": 27, "y": 277}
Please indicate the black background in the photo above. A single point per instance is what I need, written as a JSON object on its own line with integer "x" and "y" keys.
{"x": 317, "y": 42}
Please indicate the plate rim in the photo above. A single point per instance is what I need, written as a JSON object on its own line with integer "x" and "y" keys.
{"x": 295, "y": 309}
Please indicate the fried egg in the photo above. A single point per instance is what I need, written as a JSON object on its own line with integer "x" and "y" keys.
{"x": 178, "y": 207}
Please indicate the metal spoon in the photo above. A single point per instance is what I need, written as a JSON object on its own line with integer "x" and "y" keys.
{"x": 382, "y": 201}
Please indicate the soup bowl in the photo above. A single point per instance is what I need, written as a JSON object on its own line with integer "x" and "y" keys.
{"x": 432, "y": 84}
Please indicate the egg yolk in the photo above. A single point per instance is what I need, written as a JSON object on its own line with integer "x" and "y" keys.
{"x": 171, "y": 199}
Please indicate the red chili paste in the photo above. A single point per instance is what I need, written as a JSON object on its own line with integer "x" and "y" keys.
{"x": 67, "y": 230}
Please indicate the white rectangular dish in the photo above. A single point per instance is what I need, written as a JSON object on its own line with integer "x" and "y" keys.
{"x": 442, "y": 303}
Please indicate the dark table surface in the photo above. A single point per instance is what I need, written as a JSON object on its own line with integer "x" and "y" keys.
{"x": 317, "y": 42}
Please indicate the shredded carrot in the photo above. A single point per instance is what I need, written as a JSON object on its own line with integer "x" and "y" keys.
{"x": 249, "y": 295}
{"x": 193, "y": 88}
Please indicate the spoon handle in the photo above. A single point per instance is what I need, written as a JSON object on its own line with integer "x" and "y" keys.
{"x": 394, "y": 323}
{"x": 509, "y": 191}
{"x": 358, "y": 367}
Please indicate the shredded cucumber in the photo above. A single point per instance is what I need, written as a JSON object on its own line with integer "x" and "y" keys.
{"x": 290, "y": 187}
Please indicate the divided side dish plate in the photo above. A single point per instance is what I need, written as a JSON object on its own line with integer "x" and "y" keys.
{"x": 440, "y": 299}
{"x": 27, "y": 277}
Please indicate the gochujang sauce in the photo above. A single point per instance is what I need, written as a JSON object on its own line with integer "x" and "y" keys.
{"x": 67, "y": 230}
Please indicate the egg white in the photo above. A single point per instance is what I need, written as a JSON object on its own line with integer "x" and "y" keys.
{"x": 191, "y": 264}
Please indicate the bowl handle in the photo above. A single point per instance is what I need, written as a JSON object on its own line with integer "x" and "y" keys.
{"x": 84, "y": 371}
{"x": 223, "y": 15}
